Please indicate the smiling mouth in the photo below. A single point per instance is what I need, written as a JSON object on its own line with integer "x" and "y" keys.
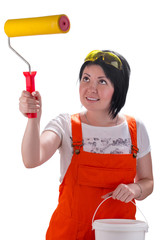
{"x": 92, "y": 99}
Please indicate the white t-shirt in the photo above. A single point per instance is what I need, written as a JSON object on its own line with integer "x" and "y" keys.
{"x": 104, "y": 140}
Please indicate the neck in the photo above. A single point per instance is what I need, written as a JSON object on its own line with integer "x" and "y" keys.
{"x": 101, "y": 119}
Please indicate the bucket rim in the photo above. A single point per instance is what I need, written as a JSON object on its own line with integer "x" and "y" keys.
{"x": 120, "y": 225}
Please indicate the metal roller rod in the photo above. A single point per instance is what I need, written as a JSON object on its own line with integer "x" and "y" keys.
{"x": 9, "y": 44}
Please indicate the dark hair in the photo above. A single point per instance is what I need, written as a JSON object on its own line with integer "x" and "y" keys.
{"x": 119, "y": 79}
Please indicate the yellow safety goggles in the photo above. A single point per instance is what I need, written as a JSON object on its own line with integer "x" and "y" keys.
{"x": 107, "y": 57}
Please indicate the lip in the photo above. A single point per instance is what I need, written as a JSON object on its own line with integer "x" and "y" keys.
{"x": 92, "y": 99}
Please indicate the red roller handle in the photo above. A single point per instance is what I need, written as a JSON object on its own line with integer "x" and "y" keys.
{"x": 30, "y": 87}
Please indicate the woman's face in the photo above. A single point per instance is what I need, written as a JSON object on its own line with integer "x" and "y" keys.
{"x": 96, "y": 90}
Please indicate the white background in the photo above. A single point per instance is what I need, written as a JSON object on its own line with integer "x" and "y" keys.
{"x": 28, "y": 197}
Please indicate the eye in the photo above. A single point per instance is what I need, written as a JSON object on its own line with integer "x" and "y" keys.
{"x": 85, "y": 79}
{"x": 103, "y": 82}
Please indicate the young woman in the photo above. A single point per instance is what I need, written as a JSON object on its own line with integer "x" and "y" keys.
{"x": 102, "y": 152}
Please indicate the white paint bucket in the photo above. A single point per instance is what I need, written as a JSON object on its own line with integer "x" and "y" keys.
{"x": 119, "y": 229}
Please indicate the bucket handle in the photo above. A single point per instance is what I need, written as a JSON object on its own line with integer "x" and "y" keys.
{"x": 107, "y": 199}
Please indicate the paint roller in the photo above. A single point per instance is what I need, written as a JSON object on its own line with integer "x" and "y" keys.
{"x": 35, "y": 26}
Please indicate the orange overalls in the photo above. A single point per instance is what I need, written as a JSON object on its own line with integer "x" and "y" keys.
{"x": 88, "y": 178}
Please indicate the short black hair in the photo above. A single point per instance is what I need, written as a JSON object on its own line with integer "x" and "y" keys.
{"x": 119, "y": 79}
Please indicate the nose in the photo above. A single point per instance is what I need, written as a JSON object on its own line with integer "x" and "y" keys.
{"x": 92, "y": 87}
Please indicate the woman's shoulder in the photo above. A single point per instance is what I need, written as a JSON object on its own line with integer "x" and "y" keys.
{"x": 59, "y": 123}
{"x": 141, "y": 126}
{"x": 63, "y": 117}
{"x": 143, "y": 139}
{"x": 139, "y": 121}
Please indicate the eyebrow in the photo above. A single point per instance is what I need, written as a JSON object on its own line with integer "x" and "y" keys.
{"x": 87, "y": 74}
{"x": 98, "y": 77}
{"x": 102, "y": 77}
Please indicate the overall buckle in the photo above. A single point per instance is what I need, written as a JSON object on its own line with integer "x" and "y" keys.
{"x": 135, "y": 150}
{"x": 77, "y": 146}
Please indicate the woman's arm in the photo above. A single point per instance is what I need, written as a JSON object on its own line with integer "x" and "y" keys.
{"x": 143, "y": 185}
{"x": 144, "y": 176}
{"x": 36, "y": 149}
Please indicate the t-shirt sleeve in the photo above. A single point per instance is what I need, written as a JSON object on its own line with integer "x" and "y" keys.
{"x": 58, "y": 125}
{"x": 143, "y": 141}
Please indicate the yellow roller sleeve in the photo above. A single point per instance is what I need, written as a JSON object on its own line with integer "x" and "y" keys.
{"x": 37, "y": 26}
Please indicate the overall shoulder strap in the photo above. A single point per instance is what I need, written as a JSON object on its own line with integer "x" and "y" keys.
{"x": 77, "y": 141}
{"x": 133, "y": 132}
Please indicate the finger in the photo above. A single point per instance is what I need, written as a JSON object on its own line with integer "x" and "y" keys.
{"x": 119, "y": 195}
{"x": 129, "y": 198}
{"x": 123, "y": 193}
{"x": 123, "y": 197}
{"x": 33, "y": 111}
{"x": 36, "y": 95}
{"x": 25, "y": 93}
{"x": 29, "y": 108}
{"x": 25, "y": 100}
{"x": 117, "y": 192}
{"x": 30, "y": 97}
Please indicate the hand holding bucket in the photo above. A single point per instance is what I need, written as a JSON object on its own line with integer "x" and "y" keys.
{"x": 119, "y": 229}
